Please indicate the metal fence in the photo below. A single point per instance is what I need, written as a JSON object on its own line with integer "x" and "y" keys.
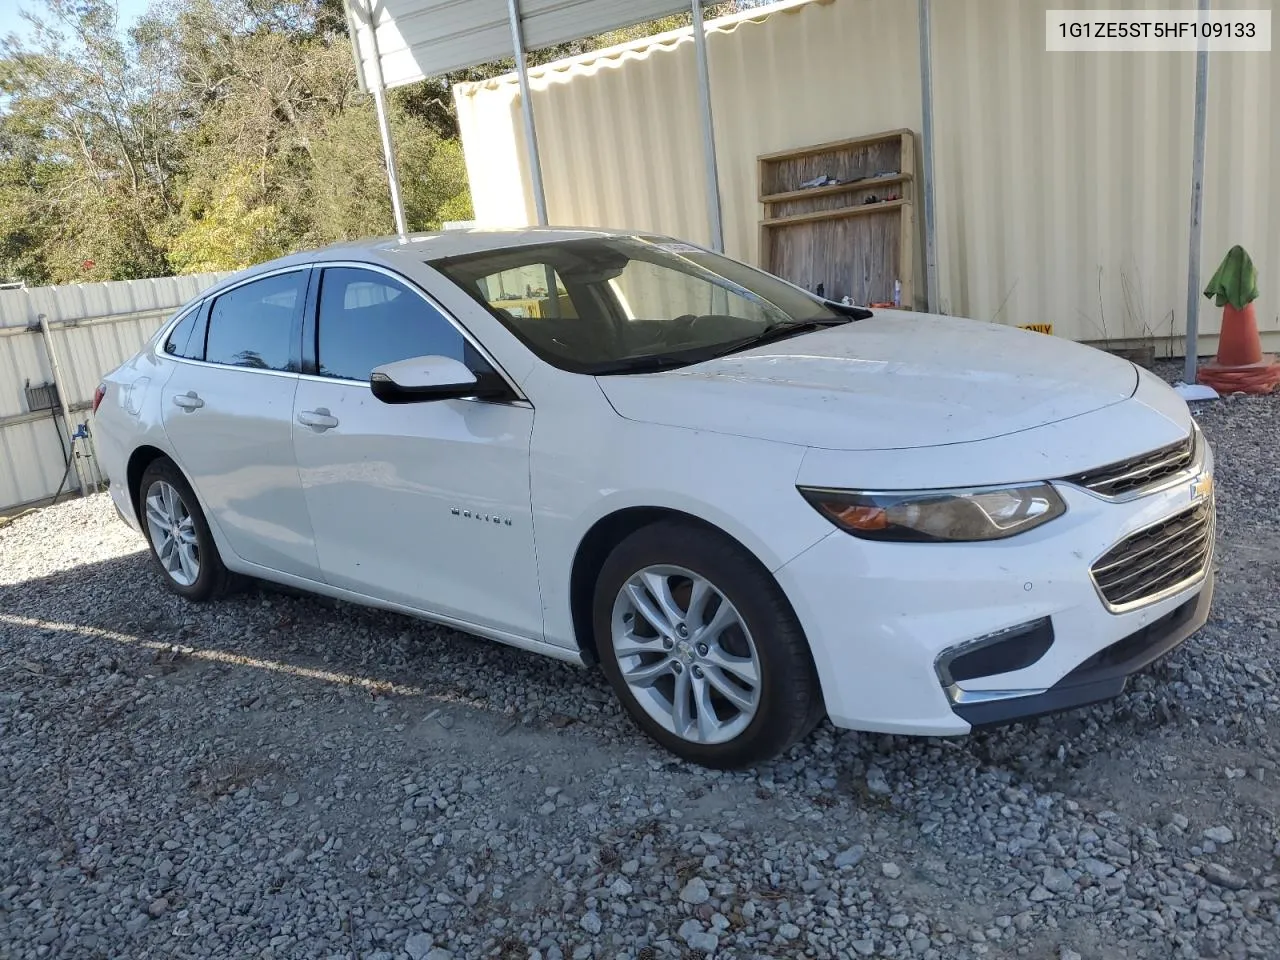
{"x": 55, "y": 345}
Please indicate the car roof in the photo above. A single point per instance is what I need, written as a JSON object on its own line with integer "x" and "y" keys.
{"x": 453, "y": 243}
{"x": 423, "y": 247}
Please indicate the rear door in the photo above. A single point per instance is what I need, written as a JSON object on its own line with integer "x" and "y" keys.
{"x": 421, "y": 504}
{"x": 228, "y": 412}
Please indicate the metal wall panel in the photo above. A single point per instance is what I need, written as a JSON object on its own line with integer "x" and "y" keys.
{"x": 94, "y": 327}
{"x": 807, "y": 74}
{"x": 31, "y": 462}
{"x": 620, "y": 133}
{"x": 22, "y": 358}
{"x": 1063, "y": 180}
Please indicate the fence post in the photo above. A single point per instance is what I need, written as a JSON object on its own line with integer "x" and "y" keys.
{"x": 63, "y": 403}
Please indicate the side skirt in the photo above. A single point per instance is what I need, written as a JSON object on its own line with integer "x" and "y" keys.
{"x": 350, "y": 596}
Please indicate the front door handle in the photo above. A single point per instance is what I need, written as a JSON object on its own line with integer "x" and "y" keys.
{"x": 319, "y": 418}
{"x": 188, "y": 401}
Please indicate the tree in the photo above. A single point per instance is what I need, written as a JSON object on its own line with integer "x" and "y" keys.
{"x": 228, "y": 225}
{"x": 350, "y": 183}
{"x": 82, "y": 109}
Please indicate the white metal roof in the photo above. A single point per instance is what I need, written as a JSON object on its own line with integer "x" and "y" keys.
{"x": 416, "y": 39}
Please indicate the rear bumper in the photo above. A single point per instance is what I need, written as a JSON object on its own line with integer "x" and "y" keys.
{"x": 124, "y": 506}
{"x": 1104, "y": 675}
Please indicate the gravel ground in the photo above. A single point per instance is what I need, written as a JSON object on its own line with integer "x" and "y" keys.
{"x": 280, "y": 776}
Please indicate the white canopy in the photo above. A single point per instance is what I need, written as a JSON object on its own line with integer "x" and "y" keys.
{"x": 416, "y": 39}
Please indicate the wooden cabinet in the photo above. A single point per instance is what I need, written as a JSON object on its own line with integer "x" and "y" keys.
{"x": 853, "y": 233}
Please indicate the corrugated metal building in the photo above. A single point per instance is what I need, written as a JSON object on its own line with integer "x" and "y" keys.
{"x": 93, "y": 328}
{"x": 1063, "y": 180}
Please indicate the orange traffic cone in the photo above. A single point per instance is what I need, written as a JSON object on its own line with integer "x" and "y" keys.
{"x": 1240, "y": 366}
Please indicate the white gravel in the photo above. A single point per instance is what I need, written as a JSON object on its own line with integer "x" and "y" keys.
{"x": 279, "y": 776}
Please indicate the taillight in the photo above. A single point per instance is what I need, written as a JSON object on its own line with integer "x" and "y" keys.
{"x": 98, "y": 395}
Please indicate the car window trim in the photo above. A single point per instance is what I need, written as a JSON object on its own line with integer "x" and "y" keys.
{"x": 310, "y": 359}
{"x": 206, "y": 305}
{"x": 201, "y": 330}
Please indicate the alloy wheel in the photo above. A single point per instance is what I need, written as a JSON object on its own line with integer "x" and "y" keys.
{"x": 173, "y": 533}
{"x": 686, "y": 655}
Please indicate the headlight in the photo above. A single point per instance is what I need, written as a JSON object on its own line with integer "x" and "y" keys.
{"x": 932, "y": 516}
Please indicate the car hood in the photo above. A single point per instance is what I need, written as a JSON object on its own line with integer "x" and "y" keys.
{"x": 894, "y": 381}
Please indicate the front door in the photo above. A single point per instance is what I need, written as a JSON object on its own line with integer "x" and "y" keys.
{"x": 228, "y": 412}
{"x": 421, "y": 504}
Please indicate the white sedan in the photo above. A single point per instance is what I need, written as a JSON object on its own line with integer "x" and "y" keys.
{"x": 752, "y": 507}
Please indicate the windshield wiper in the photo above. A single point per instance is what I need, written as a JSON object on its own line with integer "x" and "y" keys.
{"x": 684, "y": 358}
{"x": 649, "y": 364}
{"x": 783, "y": 330}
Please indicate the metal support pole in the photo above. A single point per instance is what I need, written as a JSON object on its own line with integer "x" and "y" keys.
{"x": 65, "y": 406}
{"x": 926, "y": 159}
{"x": 708, "y": 130}
{"x": 1197, "y": 199}
{"x": 526, "y": 108}
{"x": 384, "y": 126}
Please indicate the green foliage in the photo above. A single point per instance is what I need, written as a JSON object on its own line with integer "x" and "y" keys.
{"x": 228, "y": 225}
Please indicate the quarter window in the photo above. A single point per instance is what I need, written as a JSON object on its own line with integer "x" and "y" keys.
{"x": 253, "y": 325}
{"x": 368, "y": 319}
{"x": 180, "y": 342}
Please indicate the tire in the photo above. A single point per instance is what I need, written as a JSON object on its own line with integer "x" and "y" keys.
{"x": 197, "y": 553}
{"x": 765, "y": 639}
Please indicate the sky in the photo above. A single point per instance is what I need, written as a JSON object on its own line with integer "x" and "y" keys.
{"x": 10, "y": 22}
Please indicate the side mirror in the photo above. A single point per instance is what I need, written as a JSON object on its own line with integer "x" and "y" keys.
{"x": 421, "y": 379}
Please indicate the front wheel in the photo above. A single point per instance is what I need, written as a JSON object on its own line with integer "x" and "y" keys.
{"x": 702, "y": 647}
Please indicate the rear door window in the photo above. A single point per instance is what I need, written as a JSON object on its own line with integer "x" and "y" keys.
{"x": 255, "y": 325}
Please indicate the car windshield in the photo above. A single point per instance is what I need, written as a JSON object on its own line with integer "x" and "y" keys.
{"x": 631, "y": 304}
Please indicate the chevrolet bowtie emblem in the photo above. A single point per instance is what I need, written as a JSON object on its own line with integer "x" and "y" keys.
{"x": 1202, "y": 486}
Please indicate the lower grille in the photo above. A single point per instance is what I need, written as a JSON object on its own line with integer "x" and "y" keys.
{"x": 1158, "y": 560}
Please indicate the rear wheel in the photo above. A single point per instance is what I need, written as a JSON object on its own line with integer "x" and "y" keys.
{"x": 175, "y": 527}
{"x": 702, "y": 647}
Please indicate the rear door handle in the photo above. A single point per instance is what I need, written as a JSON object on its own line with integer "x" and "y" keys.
{"x": 188, "y": 400}
{"x": 318, "y": 418}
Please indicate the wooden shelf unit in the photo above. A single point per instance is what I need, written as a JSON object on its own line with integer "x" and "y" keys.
{"x": 831, "y": 234}
{"x": 832, "y": 189}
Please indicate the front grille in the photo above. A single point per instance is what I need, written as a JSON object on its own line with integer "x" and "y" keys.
{"x": 1157, "y": 560}
{"x": 1139, "y": 473}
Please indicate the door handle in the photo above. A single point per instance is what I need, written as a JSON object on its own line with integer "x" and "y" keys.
{"x": 319, "y": 418}
{"x": 188, "y": 401}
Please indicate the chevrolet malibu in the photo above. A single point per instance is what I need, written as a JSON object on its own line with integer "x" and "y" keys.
{"x": 751, "y": 507}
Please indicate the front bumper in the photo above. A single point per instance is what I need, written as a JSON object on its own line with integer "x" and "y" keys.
{"x": 1104, "y": 675}
{"x": 880, "y": 617}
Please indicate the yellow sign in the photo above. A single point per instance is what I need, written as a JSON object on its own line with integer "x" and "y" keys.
{"x": 1037, "y": 327}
